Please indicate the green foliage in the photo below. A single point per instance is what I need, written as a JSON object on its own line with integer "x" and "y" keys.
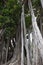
{"x": 9, "y": 16}
{"x": 10, "y": 13}
{"x": 28, "y": 21}
{"x": 26, "y": 8}
{"x": 36, "y": 3}
{"x": 36, "y": 6}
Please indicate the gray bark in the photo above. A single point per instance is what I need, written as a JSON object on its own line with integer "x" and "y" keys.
{"x": 25, "y": 39}
{"x": 22, "y": 42}
{"x": 7, "y": 49}
{"x": 37, "y": 34}
{"x": 42, "y": 3}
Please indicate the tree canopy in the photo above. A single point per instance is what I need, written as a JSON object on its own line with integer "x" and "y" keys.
{"x": 10, "y": 13}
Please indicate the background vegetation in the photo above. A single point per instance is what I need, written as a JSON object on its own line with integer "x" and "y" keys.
{"x": 10, "y": 14}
